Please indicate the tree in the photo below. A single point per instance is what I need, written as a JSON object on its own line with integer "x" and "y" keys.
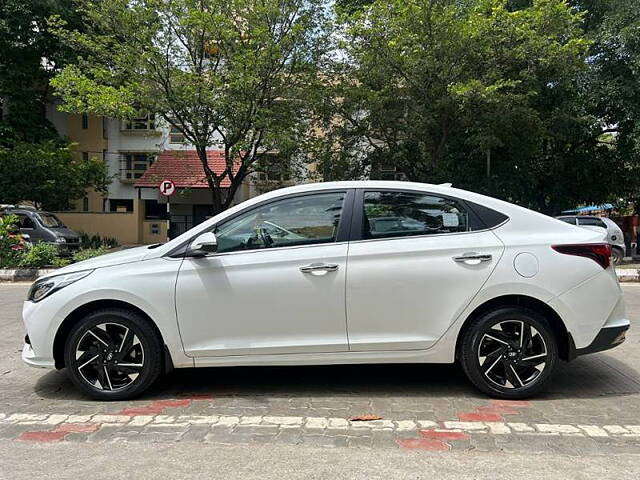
{"x": 29, "y": 56}
{"x": 47, "y": 174}
{"x": 487, "y": 94}
{"x": 35, "y": 162}
{"x": 232, "y": 75}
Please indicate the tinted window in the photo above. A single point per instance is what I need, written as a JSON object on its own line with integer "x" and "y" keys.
{"x": 50, "y": 220}
{"x": 591, "y": 221}
{"x": 570, "y": 220}
{"x": 25, "y": 221}
{"x": 299, "y": 220}
{"x": 395, "y": 214}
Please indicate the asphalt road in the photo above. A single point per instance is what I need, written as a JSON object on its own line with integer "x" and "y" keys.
{"x": 291, "y": 422}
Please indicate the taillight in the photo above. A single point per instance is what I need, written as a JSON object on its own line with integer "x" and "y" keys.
{"x": 598, "y": 252}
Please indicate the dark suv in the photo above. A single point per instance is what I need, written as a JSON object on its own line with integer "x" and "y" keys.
{"x": 45, "y": 227}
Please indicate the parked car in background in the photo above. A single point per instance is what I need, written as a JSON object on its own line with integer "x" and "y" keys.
{"x": 39, "y": 226}
{"x": 337, "y": 273}
{"x": 615, "y": 237}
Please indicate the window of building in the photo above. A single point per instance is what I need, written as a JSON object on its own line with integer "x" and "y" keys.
{"x": 400, "y": 214}
{"x": 116, "y": 205}
{"x": 142, "y": 123}
{"x": 85, "y": 121}
{"x": 85, "y": 204}
{"x": 302, "y": 220}
{"x": 272, "y": 168}
{"x": 176, "y": 136}
{"x": 153, "y": 210}
{"x": 134, "y": 164}
{"x": 85, "y": 156}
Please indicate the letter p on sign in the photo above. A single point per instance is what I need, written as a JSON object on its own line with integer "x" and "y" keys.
{"x": 167, "y": 188}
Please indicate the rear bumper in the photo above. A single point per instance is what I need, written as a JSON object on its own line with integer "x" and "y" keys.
{"x": 609, "y": 337}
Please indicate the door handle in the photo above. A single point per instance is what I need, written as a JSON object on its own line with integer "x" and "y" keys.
{"x": 319, "y": 268}
{"x": 473, "y": 258}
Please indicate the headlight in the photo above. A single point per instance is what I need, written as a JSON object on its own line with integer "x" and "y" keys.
{"x": 61, "y": 240}
{"x": 45, "y": 287}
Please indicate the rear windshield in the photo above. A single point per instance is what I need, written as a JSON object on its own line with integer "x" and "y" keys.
{"x": 50, "y": 220}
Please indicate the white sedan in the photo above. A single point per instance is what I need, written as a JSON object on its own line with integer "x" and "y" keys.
{"x": 337, "y": 273}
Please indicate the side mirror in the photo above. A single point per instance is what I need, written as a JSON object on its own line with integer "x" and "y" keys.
{"x": 203, "y": 244}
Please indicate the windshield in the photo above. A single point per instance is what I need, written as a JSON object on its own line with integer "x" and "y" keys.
{"x": 50, "y": 220}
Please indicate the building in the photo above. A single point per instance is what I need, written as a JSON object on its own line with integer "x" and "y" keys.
{"x": 140, "y": 153}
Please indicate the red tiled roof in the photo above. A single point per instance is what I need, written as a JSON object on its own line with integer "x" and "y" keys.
{"x": 184, "y": 168}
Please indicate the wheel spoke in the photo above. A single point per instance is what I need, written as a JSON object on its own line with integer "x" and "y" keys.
{"x": 128, "y": 367}
{"x": 497, "y": 337}
{"x": 511, "y": 375}
{"x": 126, "y": 342}
{"x": 102, "y": 379}
{"x": 526, "y": 338}
{"x": 106, "y": 374}
{"x": 86, "y": 361}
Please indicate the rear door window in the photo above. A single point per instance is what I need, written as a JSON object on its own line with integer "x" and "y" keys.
{"x": 400, "y": 214}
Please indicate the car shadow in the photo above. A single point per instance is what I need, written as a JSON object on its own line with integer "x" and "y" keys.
{"x": 594, "y": 376}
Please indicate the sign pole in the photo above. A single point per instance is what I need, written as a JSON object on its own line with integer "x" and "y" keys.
{"x": 168, "y": 219}
{"x": 168, "y": 188}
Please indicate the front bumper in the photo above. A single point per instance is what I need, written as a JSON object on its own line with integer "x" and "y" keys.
{"x": 29, "y": 357}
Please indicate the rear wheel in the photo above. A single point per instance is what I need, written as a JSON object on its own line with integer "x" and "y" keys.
{"x": 113, "y": 354}
{"x": 509, "y": 353}
{"x": 617, "y": 256}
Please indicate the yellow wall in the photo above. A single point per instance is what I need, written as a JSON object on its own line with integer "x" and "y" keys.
{"x": 127, "y": 228}
{"x": 92, "y": 141}
{"x": 122, "y": 226}
{"x": 148, "y": 237}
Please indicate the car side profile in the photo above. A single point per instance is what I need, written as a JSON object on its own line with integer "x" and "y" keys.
{"x": 337, "y": 273}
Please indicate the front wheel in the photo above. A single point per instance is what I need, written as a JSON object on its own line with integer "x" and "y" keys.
{"x": 509, "y": 353}
{"x": 113, "y": 354}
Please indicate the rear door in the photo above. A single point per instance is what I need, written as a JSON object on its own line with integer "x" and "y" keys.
{"x": 415, "y": 262}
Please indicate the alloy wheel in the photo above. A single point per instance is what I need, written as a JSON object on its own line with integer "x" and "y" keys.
{"x": 512, "y": 354}
{"x": 109, "y": 356}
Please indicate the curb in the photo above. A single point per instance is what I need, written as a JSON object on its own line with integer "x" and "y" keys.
{"x": 628, "y": 274}
{"x": 23, "y": 274}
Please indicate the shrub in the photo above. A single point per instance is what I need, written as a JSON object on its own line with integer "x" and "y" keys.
{"x": 89, "y": 253}
{"x": 11, "y": 243}
{"x": 39, "y": 255}
{"x": 96, "y": 241}
{"x": 61, "y": 262}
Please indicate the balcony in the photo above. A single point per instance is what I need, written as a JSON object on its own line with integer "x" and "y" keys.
{"x": 134, "y": 164}
{"x": 140, "y": 126}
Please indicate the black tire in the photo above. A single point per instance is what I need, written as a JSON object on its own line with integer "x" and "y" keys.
{"x": 617, "y": 256}
{"x": 146, "y": 349}
{"x": 512, "y": 361}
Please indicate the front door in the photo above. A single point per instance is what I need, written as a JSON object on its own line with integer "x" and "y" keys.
{"x": 418, "y": 264}
{"x": 276, "y": 284}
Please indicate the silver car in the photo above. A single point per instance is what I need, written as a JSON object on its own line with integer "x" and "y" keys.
{"x": 615, "y": 237}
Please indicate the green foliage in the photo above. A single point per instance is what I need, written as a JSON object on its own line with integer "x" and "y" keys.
{"x": 47, "y": 174}
{"x": 30, "y": 56}
{"x": 10, "y": 241}
{"x": 434, "y": 89}
{"x": 89, "y": 253}
{"x": 234, "y": 75}
{"x": 96, "y": 241}
{"x": 60, "y": 262}
{"x": 39, "y": 255}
